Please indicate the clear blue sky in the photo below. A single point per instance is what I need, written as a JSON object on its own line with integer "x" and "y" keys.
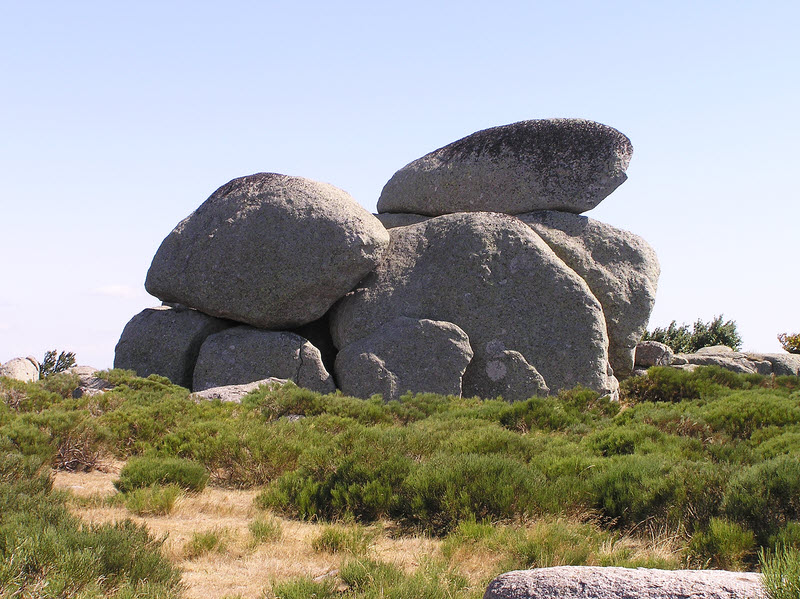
{"x": 119, "y": 119}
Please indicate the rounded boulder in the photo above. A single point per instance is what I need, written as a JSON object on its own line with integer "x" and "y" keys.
{"x": 268, "y": 250}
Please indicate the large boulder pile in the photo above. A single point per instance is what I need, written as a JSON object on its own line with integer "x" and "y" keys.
{"x": 478, "y": 276}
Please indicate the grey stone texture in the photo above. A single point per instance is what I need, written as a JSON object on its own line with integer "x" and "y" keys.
{"x": 653, "y": 353}
{"x": 165, "y": 341}
{"x": 235, "y": 393}
{"x": 550, "y": 164}
{"x": 782, "y": 364}
{"x": 405, "y": 354}
{"x": 244, "y": 354}
{"x": 620, "y": 268}
{"x": 725, "y": 357}
{"x": 269, "y": 250}
{"x": 507, "y": 374}
{"x": 593, "y": 582}
{"x": 494, "y": 277}
{"x": 21, "y": 369}
{"x": 88, "y": 383}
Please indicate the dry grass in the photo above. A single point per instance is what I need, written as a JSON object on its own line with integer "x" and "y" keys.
{"x": 246, "y": 568}
{"x": 242, "y": 569}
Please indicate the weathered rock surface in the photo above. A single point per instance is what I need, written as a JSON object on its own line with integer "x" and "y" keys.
{"x": 268, "y": 250}
{"x": 653, "y": 353}
{"x": 21, "y": 369}
{"x": 590, "y": 582}
{"x": 550, "y": 164}
{"x": 165, "y": 341}
{"x": 505, "y": 373}
{"x": 88, "y": 383}
{"x": 405, "y": 354}
{"x": 782, "y": 364}
{"x": 725, "y": 357}
{"x": 235, "y": 393}
{"x": 245, "y": 354}
{"x": 492, "y": 276}
{"x": 620, "y": 268}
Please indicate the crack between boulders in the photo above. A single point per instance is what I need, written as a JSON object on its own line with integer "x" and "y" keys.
{"x": 300, "y": 365}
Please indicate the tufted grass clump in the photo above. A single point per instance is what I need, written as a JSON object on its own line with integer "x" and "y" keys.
{"x": 342, "y": 539}
{"x": 205, "y": 542}
{"x": 265, "y": 530}
{"x": 155, "y": 500}
{"x": 144, "y": 472}
{"x": 780, "y": 572}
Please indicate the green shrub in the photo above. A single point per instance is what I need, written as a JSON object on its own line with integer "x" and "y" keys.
{"x": 765, "y": 496}
{"x": 723, "y": 545}
{"x": 703, "y": 334}
{"x": 447, "y": 489}
{"x": 787, "y": 536}
{"x": 154, "y": 500}
{"x": 780, "y": 573}
{"x": 790, "y": 343}
{"x": 147, "y": 471}
{"x": 42, "y": 546}
{"x": 53, "y": 362}
{"x": 630, "y": 489}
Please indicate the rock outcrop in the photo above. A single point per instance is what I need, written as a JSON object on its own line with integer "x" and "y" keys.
{"x": 648, "y": 352}
{"x": 551, "y": 164}
{"x": 620, "y": 268}
{"x": 590, "y": 582}
{"x": 245, "y": 354}
{"x": 492, "y": 276}
{"x": 235, "y": 393}
{"x": 166, "y": 341}
{"x": 653, "y": 353}
{"x": 21, "y": 369}
{"x": 404, "y": 355}
{"x": 488, "y": 284}
{"x": 268, "y": 250}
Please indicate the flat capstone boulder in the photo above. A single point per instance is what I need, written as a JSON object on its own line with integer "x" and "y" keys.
{"x": 620, "y": 268}
{"x": 550, "y": 164}
{"x": 592, "y": 582}
{"x": 244, "y": 354}
{"x": 165, "y": 340}
{"x": 492, "y": 276}
{"x": 268, "y": 250}
{"x": 405, "y": 355}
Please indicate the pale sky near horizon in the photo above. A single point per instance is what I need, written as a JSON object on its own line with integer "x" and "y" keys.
{"x": 119, "y": 119}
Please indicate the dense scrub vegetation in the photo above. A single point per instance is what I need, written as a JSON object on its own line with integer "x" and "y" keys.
{"x": 711, "y": 455}
{"x": 703, "y": 334}
{"x": 790, "y": 343}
